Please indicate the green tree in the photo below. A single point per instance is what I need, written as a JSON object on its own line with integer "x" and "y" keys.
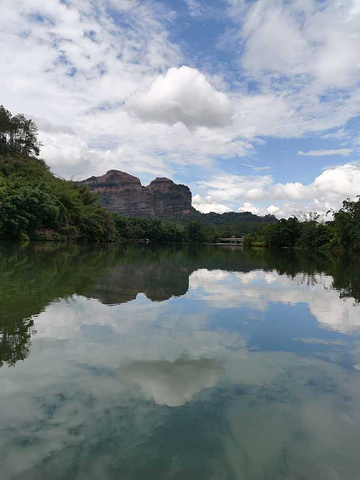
{"x": 195, "y": 233}
{"x": 18, "y": 135}
{"x": 347, "y": 225}
{"x": 285, "y": 233}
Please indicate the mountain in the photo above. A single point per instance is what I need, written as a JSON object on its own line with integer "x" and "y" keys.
{"x": 123, "y": 194}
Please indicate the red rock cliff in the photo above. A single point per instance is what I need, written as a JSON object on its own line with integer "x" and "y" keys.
{"x": 123, "y": 194}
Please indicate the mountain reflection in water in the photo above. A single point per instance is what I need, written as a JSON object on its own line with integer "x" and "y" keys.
{"x": 144, "y": 362}
{"x": 33, "y": 276}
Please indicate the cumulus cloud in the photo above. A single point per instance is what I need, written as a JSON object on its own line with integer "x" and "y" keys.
{"x": 326, "y": 192}
{"x": 71, "y": 156}
{"x": 182, "y": 95}
{"x": 273, "y": 210}
{"x": 323, "y": 153}
{"x": 249, "y": 207}
{"x": 110, "y": 91}
{"x": 258, "y": 288}
{"x": 270, "y": 210}
{"x": 235, "y": 187}
{"x": 76, "y": 87}
{"x": 208, "y": 204}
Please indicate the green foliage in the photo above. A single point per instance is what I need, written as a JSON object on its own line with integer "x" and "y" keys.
{"x": 284, "y": 233}
{"x": 256, "y": 239}
{"x": 195, "y": 233}
{"x": 24, "y": 209}
{"x": 18, "y": 135}
{"x": 153, "y": 229}
{"x": 230, "y": 224}
{"x": 315, "y": 235}
{"x": 343, "y": 233}
{"x": 156, "y": 230}
{"x": 290, "y": 233}
{"x": 347, "y": 225}
{"x": 35, "y": 204}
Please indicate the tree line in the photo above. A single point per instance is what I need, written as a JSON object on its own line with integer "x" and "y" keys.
{"x": 34, "y": 204}
{"x": 341, "y": 233}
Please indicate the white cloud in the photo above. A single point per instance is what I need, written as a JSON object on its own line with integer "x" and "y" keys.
{"x": 303, "y": 58}
{"x": 173, "y": 383}
{"x": 249, "y": 207}
{"x": 83, "y": 68}
{"x": 258, "y": 288}
{"x": 338, "y": 134}
{"x": 235, "y": 187}
{"x": 70, "y": 156}
{"x": 105, "y": 360}
{"x": 327, "y": 191}
{"x": 321, "y": 153}
{"x": 264, "y": 168}
{"x": 79, "y": 71}
{"x": 273, "y": 210}
{"x": 306, "y": 38}
{"x": 340, "y": 181}
{"x": 182, "y": 95}
{"x": 208, "y": 204}
{"x": 265, "y": 29}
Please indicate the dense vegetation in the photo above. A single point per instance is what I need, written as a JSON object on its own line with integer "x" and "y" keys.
{"x": 228, "y": 224}
{"x": 33, "y": 202}
{"x": 157, "y": 230}
{"x": 193, "y": 228}
{"x": 342, "y": 233}
{"x": 37, "y": 205}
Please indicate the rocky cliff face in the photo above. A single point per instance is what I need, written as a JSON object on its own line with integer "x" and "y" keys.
{"x": 123, "y": 194}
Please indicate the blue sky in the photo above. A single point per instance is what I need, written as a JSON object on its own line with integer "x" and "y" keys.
{"x": 254, "y": 105}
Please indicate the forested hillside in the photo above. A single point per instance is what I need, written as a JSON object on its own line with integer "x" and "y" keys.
{"x": 33, "y": 202}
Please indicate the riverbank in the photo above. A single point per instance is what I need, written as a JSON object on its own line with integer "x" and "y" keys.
{"x": 342, "y": 233}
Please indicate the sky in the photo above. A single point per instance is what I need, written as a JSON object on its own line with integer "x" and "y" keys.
{"x": 254, "y": 105}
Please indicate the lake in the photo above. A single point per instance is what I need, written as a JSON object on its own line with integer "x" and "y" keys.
{"x": 139, "y": 362}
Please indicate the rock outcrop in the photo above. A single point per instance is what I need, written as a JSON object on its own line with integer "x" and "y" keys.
{"x": 123, "y": 194}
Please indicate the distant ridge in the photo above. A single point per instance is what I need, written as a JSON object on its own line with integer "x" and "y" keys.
{"x": 123, "y": 194}
{"x": 213, "y": 219}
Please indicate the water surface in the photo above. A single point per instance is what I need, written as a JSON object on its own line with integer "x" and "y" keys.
{"x": 150, "y": 363}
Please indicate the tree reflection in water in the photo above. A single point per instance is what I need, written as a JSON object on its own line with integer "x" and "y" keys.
{"x": 34, "y": 275}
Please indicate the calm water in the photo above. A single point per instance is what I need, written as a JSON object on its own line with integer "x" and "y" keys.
{"x": 148, "y": 363}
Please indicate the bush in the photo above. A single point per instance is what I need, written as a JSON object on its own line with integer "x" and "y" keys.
{"x": 37, "y": 205}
